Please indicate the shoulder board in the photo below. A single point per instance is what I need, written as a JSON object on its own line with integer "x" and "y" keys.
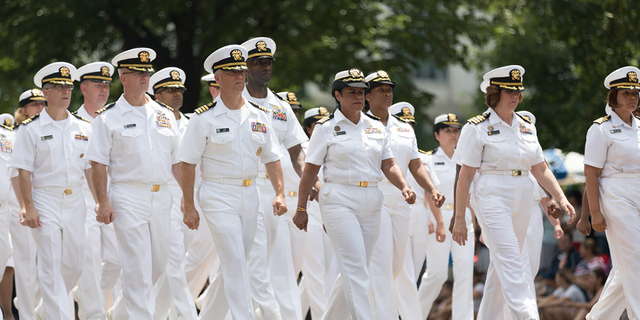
{"x": 75, "y": 114}
{"x": 523, "y": 118}
{"x": 259, "y": 106}
{"x": 107, "y": 107}
{"x": 430, "y": 152}
{"x": 325, "y": 119}
{"x": 602, "y": 119}
{"x": 403, "y": 120}
{"x": 6, "y": 127}
{"x": 479, "y": 118}
{"x": 164, "y": 105}
{"x": 372, "y": 116}
{"x": 277, "y": 96}
{"x": 31, "y": 119}
{"x": 206, "y": 107}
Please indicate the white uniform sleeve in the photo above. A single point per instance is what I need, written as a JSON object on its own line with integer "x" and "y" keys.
{"x": 428, "y": 164}
{"x": 386, "y": 148}
{"x": 272, "y": 151}
{"x": 295, "y": 134}
{"x": 595, "y": 150}
{"x": 194, "y": 141}
{"x": 175, "y": 144}
{"x": 99, "y": 148}
{"x": 317, "y": 150}
{"x": 470, "y": 147}
{"x": 24, "y": 153}
{"x": 89, "y": 130}
{"x": 539, "y": 154}
{"x": 415, "y": 154}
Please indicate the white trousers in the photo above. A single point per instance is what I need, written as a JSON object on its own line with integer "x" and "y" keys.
{"x": 102, "y": 265}
{"x": 231, "y": 212}
{"x": 612, "y": 301}
{"x": 533, "y": 243}
{"x": 503, "y": 211}
{"x": 201, "y": 255}
{"x": 351, "y": 216}
{"x": 438, "y": 270}
{"x": 172, "y": 285}
{"x": 5, "y": 245}
{"x": 60, "y": 243}
{"x": 143, "y": 225}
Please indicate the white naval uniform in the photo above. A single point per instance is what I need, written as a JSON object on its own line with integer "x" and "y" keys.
{"x": 138, "y": 145}
{"x": 613, "y": 146}
{"x": 533, "y": 242}
{"x": 289, "y": 134}
{"x": 172, "y": 285}
{"x": 391, "y": 247}
{"x": 7, "y": 139}
{"x": 229, "y": 145}
{"x": 24, "y": 257}
{"x": 444, "y": 168}
{"x": 503, "y": 203}
{"x": 102, "y": 265}
{"x": 53, "y": 152}
{"x": 350, "y": 204}
{"x": 406, "y": 280}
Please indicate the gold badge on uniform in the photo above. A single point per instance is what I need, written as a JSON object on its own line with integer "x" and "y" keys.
{"x": 383, "y": 74}
{"x": 64, "y": 71}
{"x": 259, "y": 152}
{"x": 633, "y": 77}
{"x": 490, "y": 128}
{"x": 236, "y": 54}
{"x": 292, "y": 96}
{"x": 406, "y": 112}
{"x": 453, "y": 117}
{"x": 144, "y": 56}
{"x": 105, "y": 71}
{"x": 323, "y": 111}
{"x": 336, "y": 128}
{"x": 175, "y": 75}
{"x": 81, "y": 155}
{"x": 36, "y": 93}
{"x": 261, "y": 46}
{"x": 515, "y": 74}
{"x": 355, "y": 73}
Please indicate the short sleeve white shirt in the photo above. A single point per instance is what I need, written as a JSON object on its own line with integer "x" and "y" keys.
{"x": 7, "y": 140}
{"x": 414, "y": 184}
{"x": 404, "y": 144}
{"x": 349, "y": 152}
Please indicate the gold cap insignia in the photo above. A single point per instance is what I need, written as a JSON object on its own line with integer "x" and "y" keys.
{"x": 633, "y": 77}
{"x": 175, "y": 75}
{"x": 36, "y": 93}
{"x": 355, "y": 73}
{"x": 323, "y": 111}
{"x": 383, "y": 74}
{"x": 144, "y": 56}
{"x": 336, "y": 128}
{"x": 236, "y": 54}
{"x": 292, "y": 96}
{"x": 64, "y": 71}
{"x": 490, "y": 128}
{"x": 515, "y": 74}
{"x": 105, "y": 71}
{"x": 261, "y": 45}
{"x": 406, "y": 112}
{"x": 7, "y": 122}
{"x": 259, "y": 152}
{"x": 453, "y": 117}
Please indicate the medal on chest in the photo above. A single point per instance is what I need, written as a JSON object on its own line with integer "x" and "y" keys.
{"x": 492, "y": 132}
{"x": 257, "y": 126}
{"x": 403, "y": 129}
{"x": 80, "y": 136}
{"x": 524, "y": 129}
{"x": 372, "y": 131}
{"x": 279, "y": 114}
{"x": 7, "y": 145}
{"x": 162, "y": 120}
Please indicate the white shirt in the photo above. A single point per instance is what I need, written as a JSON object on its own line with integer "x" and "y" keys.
{"x": 404, "y": 145}
{"x": 443, "y": 173}
{"x": 53, "y": 151}
{"x": 227, "y": 146}
{"x": 613, "y": 145}
{"x": 7, "y": 139}
{"x": 134, "y": 147}
{"x": 349, "y": 152}
{"x": 83, "y": 113}
{"x": 494, "y": 145}
{"x": 573, "y": 293}
{"x": 414, "y": 184}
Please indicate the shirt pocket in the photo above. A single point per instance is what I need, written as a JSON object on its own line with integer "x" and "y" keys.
{"x": 43, "y": 153}
{"x": 375, "y": 142}
{"x": 222, "y": 145}
{"x": 133, "y": 141}
{"x": 165, "y": 137}
{"x": 342, "y": 144}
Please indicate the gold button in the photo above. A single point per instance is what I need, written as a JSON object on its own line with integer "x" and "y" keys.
{"x": 293, "y": 194}
{"x": 155, "y": 188}
{"x": 68, "y": 192}
{"x": 516, "y": 173}
{"x": 246, "y": 182}
{"x": 363, "y": 184}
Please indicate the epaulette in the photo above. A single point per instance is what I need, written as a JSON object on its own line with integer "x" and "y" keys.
{"x": 6, "y": 127}
{"x": 278, "y": 96}
{"x": 430, "y": 152}
{"x": 75, "y": 114}
{"x": 164, "y": 105}
{"x": 526, "y": 119}
{"x": 325, "y": 119}
{"x": 206, "y": 107}
{"x": 602, "y": 119}
{"x": 259, "y": 106}
{"x": 479, "y": 118}
{"x": 107, "y": 107}
{"x": 372, "y": 116}
{"x": 31, "y": 119}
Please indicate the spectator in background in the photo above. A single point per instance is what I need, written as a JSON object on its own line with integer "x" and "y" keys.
{"x": 567, "y": 259}
{"x": 575, "y": 198}
{"x": 554, "y": 306}
{"x": 596, "y": 279}
{"x": 441, "y": 309}
{"x": 478, "y": 289}
{"x": 590, "y": 261}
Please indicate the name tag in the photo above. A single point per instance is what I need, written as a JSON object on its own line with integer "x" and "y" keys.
{"x": 222, "y": 130}
{"x": 131, "y": 125}
{"x": 615, "y": 131}
{"x": 439, "y": 163}
{"x": 493, "y": 132}
{"x": 49, "y": 137}
{"x": 339, "y": 133}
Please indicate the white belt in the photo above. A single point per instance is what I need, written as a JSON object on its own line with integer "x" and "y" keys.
{"x": 58, "y": 190}
{"x": 448, "y": 206}
{"x": 623, "y": 175}
{"x": 147, "y": 186}
{"x": 292, "y": 193}
{"x": 233, "y": 182}
{"x": 362, "y": 184}
{"x": 513, "y": 173}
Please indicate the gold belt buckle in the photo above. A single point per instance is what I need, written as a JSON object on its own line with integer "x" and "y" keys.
{"x": 292, "y": 193}
{"x": 449, "y": 207}
{"x": 516, "y": 173}
{"x": 246, "y": 182}
{"x": 155, "y": 188}
{"x": 363, "y": 184}
{"x": 67, "y": 192}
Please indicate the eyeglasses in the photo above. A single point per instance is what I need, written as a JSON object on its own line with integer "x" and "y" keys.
{"x": 173, "y": 90}
{"x": 59, "y": 87}
{"x": 139, "y": 74}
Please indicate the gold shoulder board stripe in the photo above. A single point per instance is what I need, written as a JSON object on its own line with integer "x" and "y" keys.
{"x": 372, "y": 116}
{"x": 479, "y": 118}
{"x": 31, "y": 119}
{"x": 525, "y": 119}
{"x": 259, "y": 106}
{"x": 6, "y": 127}
{"x": 164, "y": 105}
{"x": 397, "y": 117}
{"x": 279, "y": 97}
{"x": 325, "y": 119}
{"x": 106, "y": 108}
{"x": 75, "y": 114}
{"x": 206, "y": 107}
{"x": 602, "y": 119}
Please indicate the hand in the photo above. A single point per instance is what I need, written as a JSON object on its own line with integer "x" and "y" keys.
{"x": 568, "y": 208}
{"x": 105, "y": 213}
{"x": 584, "y": 226}
{"x": 459, "y": 233}
{"x": 314, "y": 195}
{"x": 598, "y": 222}
{"x": 553, "y": 208}
{"x": 191, "y": 217}
{"x": 279, "y": 206}
{"x": 300, "y": 219}
{"x": 432, "y": 228}
{"x": 441, "y": 234}
{"x": 409, "y": 195}
{"x": 559, "y": 232}
{"x": 452, "y": 223}
{"x": 30, "y": 217}
{"x": 437, "y": 197}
